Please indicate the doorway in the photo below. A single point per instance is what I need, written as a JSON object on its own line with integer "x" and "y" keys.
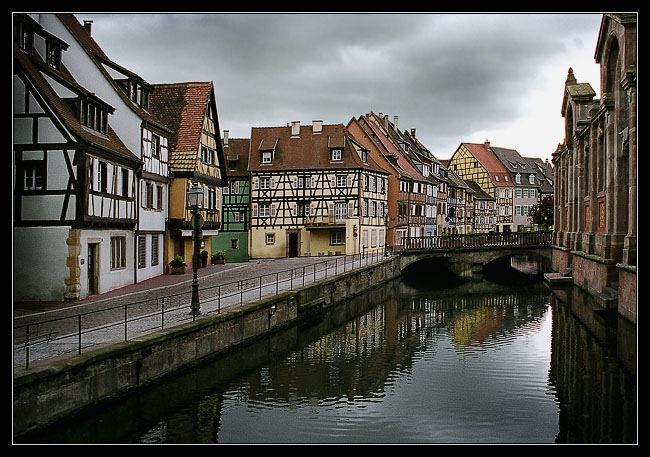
{"x": 93, "y": 268}
{"x": 293, "y": 244}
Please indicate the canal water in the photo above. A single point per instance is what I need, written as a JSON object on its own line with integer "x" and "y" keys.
{"x": 429, "y": 358}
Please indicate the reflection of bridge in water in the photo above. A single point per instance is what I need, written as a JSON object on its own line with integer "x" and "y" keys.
{"x": 476, "y": 250}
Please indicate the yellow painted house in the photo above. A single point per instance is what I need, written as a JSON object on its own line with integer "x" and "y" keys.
{"x": 314, "y": 192}
{"x": 195, "y": 156}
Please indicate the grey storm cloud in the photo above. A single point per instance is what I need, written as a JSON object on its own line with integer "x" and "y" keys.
{"x": 445, "y": 74}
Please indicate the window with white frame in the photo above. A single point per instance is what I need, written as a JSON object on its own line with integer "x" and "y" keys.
{"x": 336, "y": 155}
{"x": 118, "y": 252}
{"x": 337, "y": 237}
{"x": 267, "y": 157}
{"x": 33, "y": 175}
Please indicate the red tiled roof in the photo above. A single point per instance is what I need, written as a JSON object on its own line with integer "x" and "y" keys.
{"x": 182, "y": 107}
{"x": 392, "y": 152}
{"x": 237, "y": 150}
{"x": 490, "y": 162}
{"x": 307, "y": 151}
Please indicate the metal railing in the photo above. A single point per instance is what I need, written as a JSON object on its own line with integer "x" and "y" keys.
{"x": 479, "y": 240}
{"x": 76, "y": 332}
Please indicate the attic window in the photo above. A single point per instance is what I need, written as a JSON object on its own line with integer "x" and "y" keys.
{"x": 531, "y": 179}
{"x": 25, "y": 37}
{"x": 54, "y": 55}
{"x": 267, "y": 157}
{"x": 336, "y": 155}
{"x": 93, "y": 116}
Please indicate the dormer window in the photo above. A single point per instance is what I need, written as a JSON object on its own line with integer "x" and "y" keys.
{"x": 267, "y": 157}
{"x": 531, "y": 179}
{"x": 518, "y": 178}
{"x": 93, "y": 116}
{"x": 336, "y": 155}
{"x": 53, "y": 54}
{"x": 25, "y": 36}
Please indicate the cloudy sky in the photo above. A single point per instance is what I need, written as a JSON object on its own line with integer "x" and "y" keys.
{"x": 453, "y": 77}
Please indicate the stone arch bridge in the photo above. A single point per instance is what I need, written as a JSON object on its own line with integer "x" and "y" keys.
{"x": 476, "y": 250}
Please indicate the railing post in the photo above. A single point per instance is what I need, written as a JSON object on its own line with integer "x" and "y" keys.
{"x": 27, "y": 348}
{"x": 125, "y": 322}
{"x": 79, "y": 328}
{"x": 162, "y": 314}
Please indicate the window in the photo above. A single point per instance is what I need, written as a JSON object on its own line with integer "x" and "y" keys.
{"x": 270, "y": 238}
{"x": 102, "y": 176}
{"x": 125, "y": 182}
{"x": 496, "y": 178}
{"x": 267, "y": 157}
{"x": 234, "y": 244}
{"x": 336, "y": 238}
{"x": 154, "y": 250}
{"x": 518, "y": 178}
{"x": 336, "y": 155}
{"x": 341, "y": 180}
{"x": 142, "y": 251}
{"x": 265, "y": 183}
{"x": 531, "y": 179}
{"x": 118, "y": 252}
{"x": 340, "y": 210}
{"x": 53, "y": 54}
{"x": 264, "y": 210}
{"x": 155, "y": 146}
{"x": 33, "y": 175}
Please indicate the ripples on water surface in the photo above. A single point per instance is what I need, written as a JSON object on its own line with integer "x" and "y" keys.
{"x": 413, "y": 366}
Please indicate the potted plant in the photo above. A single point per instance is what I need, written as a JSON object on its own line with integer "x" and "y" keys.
{"x": 178, "y": 265}
{"x": 219, "y": 257}
{"x": 204, "y": 259}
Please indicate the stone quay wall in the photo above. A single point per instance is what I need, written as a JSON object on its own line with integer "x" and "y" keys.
{"x": 52, "y": 389}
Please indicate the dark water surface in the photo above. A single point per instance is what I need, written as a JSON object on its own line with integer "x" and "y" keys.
{"x": 453, "y": 362}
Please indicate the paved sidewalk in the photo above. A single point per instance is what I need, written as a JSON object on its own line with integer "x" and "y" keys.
{"x": 220, "y": 286}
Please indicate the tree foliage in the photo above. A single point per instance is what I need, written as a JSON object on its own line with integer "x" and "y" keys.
{"x": 542, "y": 212}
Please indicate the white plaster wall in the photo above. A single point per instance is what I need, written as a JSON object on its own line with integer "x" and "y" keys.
{"x": 39, "y": 263}
{"x": 108, "y": 279}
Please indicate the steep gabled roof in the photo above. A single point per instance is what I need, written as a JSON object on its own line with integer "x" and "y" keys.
{"x": 237, "y": 152}
{"x": 34, "y": 70}
{"x": 307, "y": 151}
{"x": 97, "y": 55}
{"x": 487, "y": 158}
{"x": 182, "y": 108}
{"x": 390, "y": 151}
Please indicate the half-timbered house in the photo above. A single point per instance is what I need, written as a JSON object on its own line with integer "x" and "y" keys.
{"x": 133, "y": 121}
{"x": 74, "y": 185}
{"x": 195, "y": 156}
{"x": 406, "y": 203}
{"x": 315, "y": 191}
{"x": 478, "y": 163}
{"x": 233, "y": 237}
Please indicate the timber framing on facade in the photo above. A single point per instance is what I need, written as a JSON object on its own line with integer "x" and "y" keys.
{"x": 314, "y": 191}
{"x": 195, "y": 156}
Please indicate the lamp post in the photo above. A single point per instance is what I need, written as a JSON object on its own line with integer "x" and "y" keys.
{"x": 195, "y": 199}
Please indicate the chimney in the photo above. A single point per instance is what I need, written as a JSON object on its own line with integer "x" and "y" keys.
{"x": 386, "y": 121}
{"x": 487, "y": 144}
{"x": 226, "y": 133}
{"x": 295, "y": 129}
{"x": 395, "y": 122}
{"x": 88, "y": 25}
{"x": 318, "y": 127}
{"x": 413, "y": 133}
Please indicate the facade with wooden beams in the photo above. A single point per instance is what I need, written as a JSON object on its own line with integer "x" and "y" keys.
{"x": 478, "y": 163}
{"x": 75, "y": 180}
{"x": 233, "y": 237}
{"x": 133, "y": 121}
{"x": 595, "y": 171}
{"x": 460, "y": 199}
{"x": 407, "y": 200}
{"x": 428, "y": 166}
{"x": 315, "y": 192}
{"x": 196, "y": 155}
{"x": 484, "y": 209}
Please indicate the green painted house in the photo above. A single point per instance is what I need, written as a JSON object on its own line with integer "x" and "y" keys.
{"x": 233, "y": 236}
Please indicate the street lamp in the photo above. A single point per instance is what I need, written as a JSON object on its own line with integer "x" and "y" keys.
{"x": 195, "y": 199}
